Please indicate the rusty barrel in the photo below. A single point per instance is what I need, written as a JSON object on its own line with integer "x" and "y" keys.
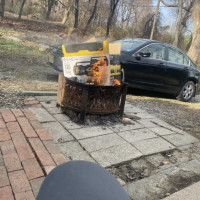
{"x": 94, "y": 99}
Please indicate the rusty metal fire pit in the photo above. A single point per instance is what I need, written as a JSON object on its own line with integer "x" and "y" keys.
{"x": 92, "y": 99}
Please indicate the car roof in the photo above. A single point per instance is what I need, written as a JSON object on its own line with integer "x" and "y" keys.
{"x": 145, "y": 40}
{"x": 148, "y": 41}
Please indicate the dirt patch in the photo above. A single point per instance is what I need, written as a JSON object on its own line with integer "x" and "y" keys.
{"x": 33, "y": 25}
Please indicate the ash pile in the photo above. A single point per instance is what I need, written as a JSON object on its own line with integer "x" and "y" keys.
{"x": 91, "y": 83}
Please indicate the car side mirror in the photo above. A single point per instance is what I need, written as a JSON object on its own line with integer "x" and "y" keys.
{"x": 145, "y": 54}
{"x": 142, "y": 54}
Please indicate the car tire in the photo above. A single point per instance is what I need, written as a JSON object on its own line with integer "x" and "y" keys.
{"x": 187, "y": 92}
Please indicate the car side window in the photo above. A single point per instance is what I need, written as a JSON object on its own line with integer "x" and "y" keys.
{"x": 157, "y": 51}
{"x": 186, "y": 60}
{"x": 177, "y": 57}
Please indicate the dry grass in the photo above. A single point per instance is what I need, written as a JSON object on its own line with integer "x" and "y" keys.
{"x": 191, "y": 105}
{"x": 23, "y": 66}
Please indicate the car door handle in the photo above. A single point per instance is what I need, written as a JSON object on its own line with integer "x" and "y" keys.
{"x": 186, "y": 68}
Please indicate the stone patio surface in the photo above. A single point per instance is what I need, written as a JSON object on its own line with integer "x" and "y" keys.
{"x": 109, "y": 143}
{"x": 33, "y": 141}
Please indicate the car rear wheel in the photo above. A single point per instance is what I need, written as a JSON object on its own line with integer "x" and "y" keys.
{"x": 187, "y": 92}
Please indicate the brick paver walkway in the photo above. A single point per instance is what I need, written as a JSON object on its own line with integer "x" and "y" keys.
{"x": 27, "y": 154}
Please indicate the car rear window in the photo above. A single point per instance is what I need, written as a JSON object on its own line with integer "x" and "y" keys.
{"x": 178, "y": 57}
{"x": 130, "y": 45}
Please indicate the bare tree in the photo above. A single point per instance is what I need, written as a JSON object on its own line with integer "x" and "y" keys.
{"x": 2, "y": 8}
{"x": 194, "y": 51}
{"x": 182, "y": 18}
{"x": 126, "y": 11}
{"x": 147, "y": 27}
{"x": 178, "y": 29}
{"x": 21, "y": 9}
{"x": 155, "y": 19}
{"x": 66, "y": 16}
{"x": 113, "y": 6}
{"x": 67, "y": 7}
{"x": 76, "y": 13}
{"x": 91, "y": 17}
{"x": 49, "y": 8}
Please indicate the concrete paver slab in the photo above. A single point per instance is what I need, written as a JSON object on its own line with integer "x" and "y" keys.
{"x": 192, "y": 192}
{"x": 125, "y": 127}
{"x": 165, "y": 125}
{"x": 74, "y": 151}
{"x": 62, "y": 117}
{"x": 139, "y": 134}
{"x": 42, "y": 115}
{"x": 115, "y": 155}
{"x": 101, "y": 142}
{"x": 129, "y": 108}
{"x": 46, "y": 98}
{"x": 147, "y": 123}
{"x": 57, "y": 132}
{"x": 180, "y": 139}
{"x": 162, "y": 131}
{"x": 153, "y": 145}
{"x": 54, "y": 110}
{"x": 49, "y": 104}
{"x": 90, "y": 132}
{"x": 69, "y": 125}
{"x": 36, "y": 184}
{"x": 144, "y": 115}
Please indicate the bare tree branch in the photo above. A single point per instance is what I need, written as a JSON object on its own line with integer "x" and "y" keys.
{"x": 2, "y": 8}
{"x": 113, "y": 5}
{"x": 76, "y": 13}
{"x": 169, "y": 5}
{"x": 91, "y": 17}
{"x": 21, "y": 9}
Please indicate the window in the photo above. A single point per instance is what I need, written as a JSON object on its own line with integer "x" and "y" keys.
{"x": 186, "y": 60}
{"x": 130, "y": 45}
{"x": 178, "y": 57}
{"x": 157, "y": 51}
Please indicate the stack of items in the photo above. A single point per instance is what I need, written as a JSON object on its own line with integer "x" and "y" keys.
{"x": 93, "y": 63}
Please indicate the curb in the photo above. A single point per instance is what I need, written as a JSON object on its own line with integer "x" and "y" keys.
{"x": 40, "y": 93}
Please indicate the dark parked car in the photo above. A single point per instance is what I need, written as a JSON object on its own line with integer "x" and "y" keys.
{"x": 155, "y": 66}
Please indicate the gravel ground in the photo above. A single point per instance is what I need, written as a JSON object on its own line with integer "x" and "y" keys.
{"x": 12, "y": 100}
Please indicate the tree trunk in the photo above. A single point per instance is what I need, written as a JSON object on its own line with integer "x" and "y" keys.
{"x": 50, "y": 5}
{"x": 194, "y": 51}
{"x": 113, "y": 6}
{"x": 155, "y": 19}
{"x": 91, "y": 17}
{"x": 179, "y": 26}
{"x": 181, "y": 21}
{"x": 66, "y": 15}
{"x": 21, "y": 9}
{"x": 76, "y": 13}
{"x": 2, "y": 8}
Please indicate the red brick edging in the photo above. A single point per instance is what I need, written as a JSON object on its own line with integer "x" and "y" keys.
{"x": 27, "y": 154}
